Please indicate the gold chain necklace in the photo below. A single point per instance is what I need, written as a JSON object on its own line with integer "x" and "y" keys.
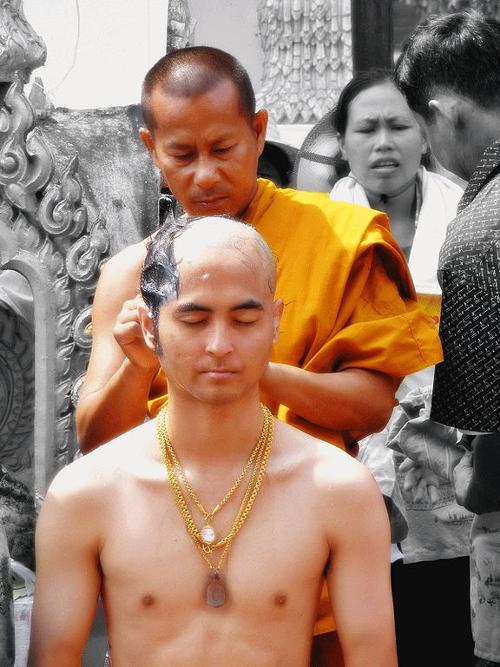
{"x": 215, "y": 591}
{"x": 207, "y": 532}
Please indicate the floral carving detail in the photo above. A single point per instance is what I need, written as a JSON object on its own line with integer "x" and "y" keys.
{"x": 21, "y": 49}
{"x": 307, "y": 56}
{"x": 57, "y": 238}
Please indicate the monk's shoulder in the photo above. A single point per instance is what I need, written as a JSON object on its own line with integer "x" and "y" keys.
{"x": 349, "y": 221}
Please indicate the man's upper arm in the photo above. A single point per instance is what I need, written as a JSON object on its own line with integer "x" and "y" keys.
{"x": 67, "y": 579}
{"x": 359, "y": 574}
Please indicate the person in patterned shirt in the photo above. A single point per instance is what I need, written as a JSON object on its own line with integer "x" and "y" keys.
{"x": 449, "y": 71}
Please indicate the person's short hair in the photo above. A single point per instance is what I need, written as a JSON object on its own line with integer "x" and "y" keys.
{"x": 193, "y": 71}
{"x": 159, "y": 282}
{"x": 360, "y": 82}
{"x": 459, "y": 53}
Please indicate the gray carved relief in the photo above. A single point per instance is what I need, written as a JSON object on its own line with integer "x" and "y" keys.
{"x": 307, "y": 56}
{"x": 180, "y": 30}
{"x": 59, "y": 249}
{"x": 21, "y": 49}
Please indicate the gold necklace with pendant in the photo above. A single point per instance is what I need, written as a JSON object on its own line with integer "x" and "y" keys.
{"x": 207, "y": 532}
{"x": 216, "y": 591}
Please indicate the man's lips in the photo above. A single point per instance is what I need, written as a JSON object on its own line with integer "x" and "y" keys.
{"x": 219, "y": 373}
{"x": 209, "y": 201}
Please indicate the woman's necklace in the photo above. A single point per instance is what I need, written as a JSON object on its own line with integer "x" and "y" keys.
{"x": 215, "y": 591}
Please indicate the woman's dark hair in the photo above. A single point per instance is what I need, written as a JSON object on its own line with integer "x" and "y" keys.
{"x": 356, "y": 85}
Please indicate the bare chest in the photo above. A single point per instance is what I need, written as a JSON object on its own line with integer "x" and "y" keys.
{"x": 153, "y": 568}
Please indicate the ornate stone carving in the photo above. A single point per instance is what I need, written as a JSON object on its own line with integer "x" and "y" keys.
{"x": 180, "y": 29}
{"x": 58, "y": 248}
{"x": 16, "y": 391}
{"x": 21, "y": 49}
{"x": 307, "y": 56}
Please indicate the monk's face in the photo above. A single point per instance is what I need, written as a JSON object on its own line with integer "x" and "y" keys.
{"x": 207, "y": 149}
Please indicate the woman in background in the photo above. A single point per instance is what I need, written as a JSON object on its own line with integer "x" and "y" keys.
{"x": 383, "y": 145}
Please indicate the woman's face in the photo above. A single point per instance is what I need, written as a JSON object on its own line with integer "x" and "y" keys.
{"x": 383, "y": 142}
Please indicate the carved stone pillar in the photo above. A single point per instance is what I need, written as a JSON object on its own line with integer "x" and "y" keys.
{"x": 180, "y": 27}
{"x": 307, "y": 56}
{"x": 47, "y": 237}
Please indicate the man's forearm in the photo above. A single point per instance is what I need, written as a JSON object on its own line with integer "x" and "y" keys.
{"x": 349, "y": 400}
{"x": 113, "y": 409}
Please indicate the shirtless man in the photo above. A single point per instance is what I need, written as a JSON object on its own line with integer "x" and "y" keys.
{"x": 351, "y": 325}
{"x": 209, "y": 287}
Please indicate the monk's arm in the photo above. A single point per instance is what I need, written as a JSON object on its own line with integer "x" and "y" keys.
{"x": 358, "y": 575}
{"x": 121, "y": 368}
{"x": 354, "y": 399}
{"x": 67, "y": 582}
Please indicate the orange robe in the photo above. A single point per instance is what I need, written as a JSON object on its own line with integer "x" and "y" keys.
{"x": 349, "y": 298}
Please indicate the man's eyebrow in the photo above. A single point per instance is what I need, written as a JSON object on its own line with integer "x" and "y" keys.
{"x": 190, "y": 307}
{"x": 251, "y": 304}
{"x": 193, "y": 307}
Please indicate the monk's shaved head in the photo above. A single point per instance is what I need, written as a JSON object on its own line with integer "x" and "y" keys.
{"x": 188, "y": 239}
{"x": 193, "y": 71}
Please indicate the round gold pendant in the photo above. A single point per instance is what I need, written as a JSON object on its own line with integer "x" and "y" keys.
{"x": 207, "y": 534}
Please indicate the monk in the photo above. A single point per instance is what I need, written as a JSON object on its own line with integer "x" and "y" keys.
{"x": 193, "y": 532}
{"x": 351, "y": 326}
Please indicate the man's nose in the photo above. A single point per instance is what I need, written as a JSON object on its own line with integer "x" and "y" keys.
{"x": 206, "y": 174}
{"x": 219, "y": 340}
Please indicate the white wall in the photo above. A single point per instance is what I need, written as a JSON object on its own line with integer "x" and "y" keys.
{"x": 230, "y": 25}
{"x": 98, "y": 50}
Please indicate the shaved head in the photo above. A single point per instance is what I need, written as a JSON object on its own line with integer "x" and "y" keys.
{"x": 193, "y": 71}
{"x": 188, "y": 240}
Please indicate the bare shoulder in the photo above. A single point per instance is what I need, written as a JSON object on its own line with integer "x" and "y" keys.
{"x": 93, "y": 476}
{"x": 335, "y": 473}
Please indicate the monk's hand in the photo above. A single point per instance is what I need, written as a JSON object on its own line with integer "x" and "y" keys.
{"x": 420, "y": 481}
{"x": 128, "y": 334}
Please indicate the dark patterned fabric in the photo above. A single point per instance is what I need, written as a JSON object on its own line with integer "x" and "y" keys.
{"x": 467, "y": 383}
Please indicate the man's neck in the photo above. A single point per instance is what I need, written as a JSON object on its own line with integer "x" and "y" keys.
{"x": 483, "y": 129}
{"x": 216, "y": 434}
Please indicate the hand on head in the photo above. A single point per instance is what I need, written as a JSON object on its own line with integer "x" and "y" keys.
{"x": 128, "y": 334}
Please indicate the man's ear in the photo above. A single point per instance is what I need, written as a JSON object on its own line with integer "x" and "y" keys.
{"x": 446, "y": 110}
{"x": 147, "y": 138}
{"x": 277, "y": 313}
{"x": 260, "y": 127}
{"x": 147, "y": 326}
{"x": 149, "y": 142}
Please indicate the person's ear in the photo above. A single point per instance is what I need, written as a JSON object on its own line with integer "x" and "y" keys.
{"x": 148, "y": 140}
{"x": 277, "y": 313}
{"x": 446, "y": 111}
{"x": 341, "y": 142}
{"x": 260, "y": 127}
{"x": 147, "y": 326}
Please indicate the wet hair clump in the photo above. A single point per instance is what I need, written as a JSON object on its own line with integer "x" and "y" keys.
{"x": 160, "y": 274}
